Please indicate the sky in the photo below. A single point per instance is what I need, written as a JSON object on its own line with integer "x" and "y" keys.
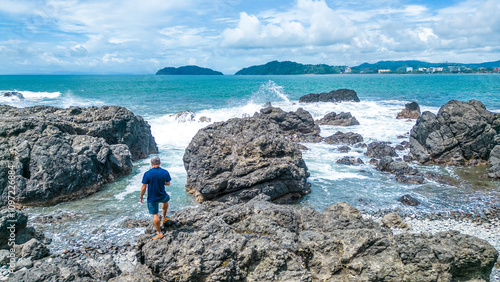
{"x": 141, "y": 37}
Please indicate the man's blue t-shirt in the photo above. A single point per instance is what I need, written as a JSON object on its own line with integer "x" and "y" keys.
{"x": 155, "y": 178}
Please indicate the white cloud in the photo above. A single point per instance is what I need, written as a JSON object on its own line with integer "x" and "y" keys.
{"x": 142, "y": 36}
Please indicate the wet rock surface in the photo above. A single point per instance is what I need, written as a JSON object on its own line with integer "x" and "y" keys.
{"x": 64, "y": 154}
{"x": 342, "y": 119}
{"x": 411, "y": 111}
{"x": 259, "y": 241}
{"x": 335, "y": 96}
{"x": 339, "y": 137}
{"x": 239, "y": 159}
{"x": 299, "y": 126}
{"x": 460, "y": 134}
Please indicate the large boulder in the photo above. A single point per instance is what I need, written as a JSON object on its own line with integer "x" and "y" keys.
{"x": 379, "y": 150}
{"x": 335, "y": 96}
{"x": 299, "y": 126}
{"x": 460, "y": 134}
{"x": 239, "y": 159}
{"x": 339, "y": 137}
{"x": 63, "y": 154}
{"x": 411, "y": 111}
{"x": 261, "y": 241}
{"x": 342, "y": 119}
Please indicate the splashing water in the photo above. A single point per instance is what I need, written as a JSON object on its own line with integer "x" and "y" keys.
{"x": 269, "y": 91}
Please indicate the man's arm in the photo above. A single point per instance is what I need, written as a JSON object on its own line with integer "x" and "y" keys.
{"x": 167, "y": 183}
{"x": 143, "y": 191}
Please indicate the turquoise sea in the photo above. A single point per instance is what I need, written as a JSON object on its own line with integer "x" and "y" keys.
{"x": 219, "y": 98}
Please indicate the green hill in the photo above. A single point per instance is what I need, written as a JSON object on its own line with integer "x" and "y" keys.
{"x": 289, "y": 68}
{"x": 187, "y": 70}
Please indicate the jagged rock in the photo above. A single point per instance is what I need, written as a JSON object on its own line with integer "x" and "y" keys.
{"x": 396, "y": 167}
{"x": 13, "y": 94}
{"x": 342, "y": 119}
{"x": 10, "y": 218}
{"x": 379, "y": 150}
{"x": 408, "y": 200}
{"x": 344, "y": 149}
{"x": 394, "y": 220}
{"x": 350, "y": 161}
{"x": 411, "y": 111}
{"x": 261, "y": 241}
{"x": 34, "y": 250}
{"x": 299, "y": 126}
{"x": 64, "y": 154}
{"x": 412, "y": 179}
{"x": 346, "y": 138}
{"x": 459, "y": 134}
{"x": 184, "y": 116}
{"x": 335, "y": 96}
{"x": 239, "y": 159}
{"x": 205, "y": 119}
{"x": 140, "y": 273}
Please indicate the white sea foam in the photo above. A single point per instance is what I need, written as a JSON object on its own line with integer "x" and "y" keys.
{"x": 26, "y": 96}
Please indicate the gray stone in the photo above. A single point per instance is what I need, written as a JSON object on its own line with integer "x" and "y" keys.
{"x": 34, "y": 250}
{"x": 379, "y": 150}
{"x": 64, "y": 154}
{"x": 461, "y": 133}
{"x": 335, "y": 96}
{"x": 262, "y": 241}
{"x": 350, "y": 161}
{"x": 4, "y": 257}
{"x": 239, "y": 159}
{"x": 342, "y": 119}
{"x": 298, "y": 126}
{"x": 339, "y": 137}
{"x": 394, "y": 220}
{"x": 408, "y": 200}
{"x": 9, "y": 218}
{"x": 411, "y": 111}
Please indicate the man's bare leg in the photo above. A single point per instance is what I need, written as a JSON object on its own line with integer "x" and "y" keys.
{"x": 165, "y": 208}
{"x": 156, "y": 222}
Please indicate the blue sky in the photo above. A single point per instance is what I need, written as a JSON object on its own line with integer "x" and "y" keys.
{"x": 140, "y": 37}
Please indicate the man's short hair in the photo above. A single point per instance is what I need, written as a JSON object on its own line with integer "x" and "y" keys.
{"x": 155, "y": 160}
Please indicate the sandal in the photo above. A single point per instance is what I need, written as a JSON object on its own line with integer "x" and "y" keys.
{"x": 158, "y": 236}
{"x": 165, "y": 219}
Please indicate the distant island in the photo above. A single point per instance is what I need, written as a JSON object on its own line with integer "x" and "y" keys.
{"x": 293, "y": 68}
{"x": 289, "y": 68}
{"x": 187, "y": 70}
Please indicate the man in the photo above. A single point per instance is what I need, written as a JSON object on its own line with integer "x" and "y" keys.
{"x": 155, "y": 180}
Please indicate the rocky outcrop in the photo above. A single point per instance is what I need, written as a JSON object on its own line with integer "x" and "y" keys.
{"x": 12, "y": 94}
{"x": 408, "y": 200}
{"x": 189, "y": 116}
{"x": 63, "y": 154}
{"x": 298, "y": 126}
{"x": 460, "y": 134}
{"x": 379, "y": 150}
{"x": 411, "y": 111}
{"x": 335, "y": 96}
{"x": 394, "y": 220}
{"x": 239, "y": 159}
{"x": 342, "y": 119}
{"x": 350, "y": 161}
{"x": 344, "y": 138}
{"x": 9, "y": 218}
{"x": 261, "y": 241}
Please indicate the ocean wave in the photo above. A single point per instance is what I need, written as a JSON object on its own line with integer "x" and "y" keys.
{"x": 29, "y": 95}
